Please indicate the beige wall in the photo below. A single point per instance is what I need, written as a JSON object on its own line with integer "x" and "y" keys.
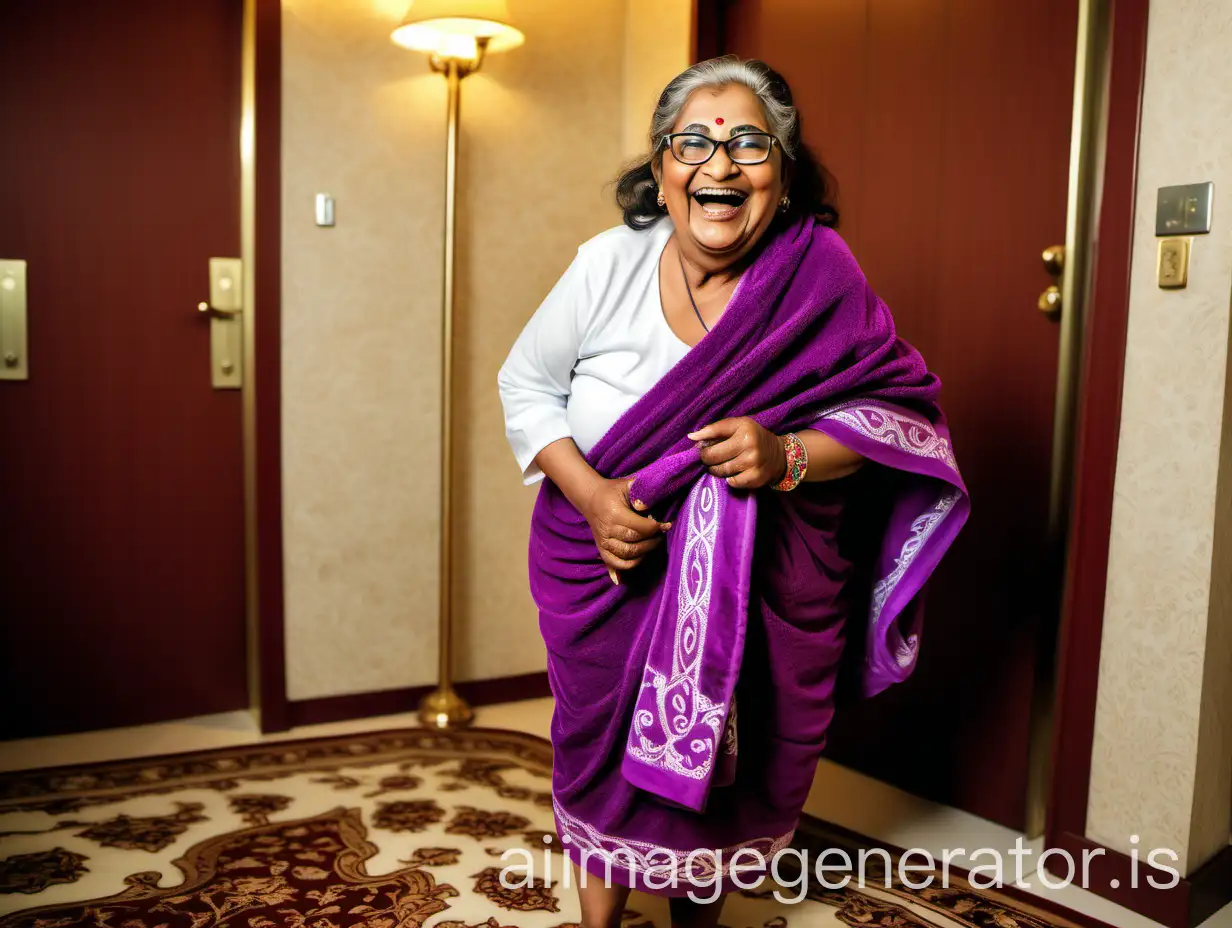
{"x": 1162, "y": 763}
{"x": 363, "y": 120}
{"x": 360, "y": 317}
{"x": 658, "y": 37}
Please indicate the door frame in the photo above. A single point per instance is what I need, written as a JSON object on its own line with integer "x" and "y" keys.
{"x": 261, "y": 251}
{"x": 1209, "y": 888}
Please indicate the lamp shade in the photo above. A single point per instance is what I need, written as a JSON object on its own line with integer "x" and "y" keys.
{"x": 449, "y": 27}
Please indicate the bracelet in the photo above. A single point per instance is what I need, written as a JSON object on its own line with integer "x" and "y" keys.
{"x": 797, "y": 462}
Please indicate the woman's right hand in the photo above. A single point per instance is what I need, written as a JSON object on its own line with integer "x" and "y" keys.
{"x": 623, "y": 535}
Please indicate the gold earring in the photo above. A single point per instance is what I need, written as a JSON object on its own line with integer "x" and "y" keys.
{"x": 661, "y": 200}
{"x": 784, "y": 203}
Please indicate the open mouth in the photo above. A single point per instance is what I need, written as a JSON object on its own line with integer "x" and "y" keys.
{"x": 719, "y": 202}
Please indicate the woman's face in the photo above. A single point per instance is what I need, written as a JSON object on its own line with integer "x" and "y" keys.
{"x": 720, "y": 207}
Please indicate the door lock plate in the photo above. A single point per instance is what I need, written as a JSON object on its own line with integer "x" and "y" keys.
{"x": 13, "y": 361}
{"x": 226, "y": 323}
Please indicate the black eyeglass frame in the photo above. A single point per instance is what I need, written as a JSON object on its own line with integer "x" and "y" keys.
{"x": 666, "y": 142}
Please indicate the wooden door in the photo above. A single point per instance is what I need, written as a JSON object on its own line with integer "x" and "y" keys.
{"x": 947, "y": 125}
{"x": 121, "y": 546}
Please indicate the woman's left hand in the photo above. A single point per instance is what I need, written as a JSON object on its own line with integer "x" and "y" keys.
{"x": 746, "y": 454}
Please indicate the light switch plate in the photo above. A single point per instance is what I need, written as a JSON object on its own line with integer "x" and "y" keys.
{"x": 325, "y": 209}
{"x": 1184, "y": 210}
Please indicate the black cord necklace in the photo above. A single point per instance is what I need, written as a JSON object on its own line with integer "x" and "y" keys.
{"x": 689, "y": 290}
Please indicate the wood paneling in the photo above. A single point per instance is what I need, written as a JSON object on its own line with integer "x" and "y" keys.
{"x": 946, "y": 124}
{"x": 122, "y": 554}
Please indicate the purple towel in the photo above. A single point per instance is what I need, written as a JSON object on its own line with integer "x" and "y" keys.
{"x": 645, "y": 673}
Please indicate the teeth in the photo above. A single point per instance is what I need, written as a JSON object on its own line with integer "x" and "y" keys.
{"x": 720, "y": 192}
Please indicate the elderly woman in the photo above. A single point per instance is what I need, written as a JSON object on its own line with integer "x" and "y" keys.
{"x": 702, "y": 394}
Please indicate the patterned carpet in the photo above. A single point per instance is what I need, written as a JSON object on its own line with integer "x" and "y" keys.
{"x": 383, "y": 829}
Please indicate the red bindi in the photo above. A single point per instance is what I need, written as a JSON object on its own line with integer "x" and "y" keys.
{"x": 718, "y": 121}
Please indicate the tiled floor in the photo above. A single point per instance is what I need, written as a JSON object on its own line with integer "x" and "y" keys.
{"x": 839, "y": 795}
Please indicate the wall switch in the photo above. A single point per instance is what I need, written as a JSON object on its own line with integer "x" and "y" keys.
{"x": 325, "y": 209}
{"x": 1173, "y": 271}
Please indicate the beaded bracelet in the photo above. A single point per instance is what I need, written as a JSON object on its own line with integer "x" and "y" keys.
{"x": 797, "y": 462}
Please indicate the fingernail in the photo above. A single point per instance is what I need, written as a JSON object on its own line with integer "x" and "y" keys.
{"x": 638, "y": 504}
{"x": 692, "y": 435}
{"x": 612, "y": 573}
{"x": 666, "y": 526}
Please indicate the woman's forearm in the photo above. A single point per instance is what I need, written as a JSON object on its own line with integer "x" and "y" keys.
{"x": 827, "y": 458}
{"x": 564, "y": 465}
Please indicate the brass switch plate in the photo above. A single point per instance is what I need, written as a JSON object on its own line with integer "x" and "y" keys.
{"x": 14, "y": 364}
{"x": 1173, "y": 269}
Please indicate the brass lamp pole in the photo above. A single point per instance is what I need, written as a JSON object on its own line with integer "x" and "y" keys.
{"x": 456, "y": 34}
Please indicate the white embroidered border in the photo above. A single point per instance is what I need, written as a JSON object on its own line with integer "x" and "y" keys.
{"x": 890, "y": 427}
{"x": 916, "y": 436}
{"x": 688, "y": 648}
{"x": 664, "y": 864}
{"x": 921, "y": 527}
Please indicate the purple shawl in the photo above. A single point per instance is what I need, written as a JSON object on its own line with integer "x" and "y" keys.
{"x": 645, "y": 672}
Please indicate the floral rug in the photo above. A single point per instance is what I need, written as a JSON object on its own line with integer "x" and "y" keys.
{"x": 383, "y": 829}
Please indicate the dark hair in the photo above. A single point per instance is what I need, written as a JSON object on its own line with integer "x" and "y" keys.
{"x": 811, "y": 184}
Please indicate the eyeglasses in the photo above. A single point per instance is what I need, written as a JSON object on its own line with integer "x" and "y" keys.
{"x": 745, "y": 148}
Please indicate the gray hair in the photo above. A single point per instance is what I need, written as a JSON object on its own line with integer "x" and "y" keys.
{"x": 769, "y": 89}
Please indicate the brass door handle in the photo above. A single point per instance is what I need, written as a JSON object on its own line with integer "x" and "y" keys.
{"x": 1049, "y": 302}
{"x": 207, "y": 308}
{"x": 1054, "y": 259}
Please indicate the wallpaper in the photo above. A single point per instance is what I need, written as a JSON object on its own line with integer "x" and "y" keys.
{"x": 542, "y": 136}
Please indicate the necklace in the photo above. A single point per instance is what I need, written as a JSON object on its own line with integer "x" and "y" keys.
{"x": 689, "y": 290}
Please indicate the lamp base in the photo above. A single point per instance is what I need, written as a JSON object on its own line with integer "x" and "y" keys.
{"x": 444, "y": 708}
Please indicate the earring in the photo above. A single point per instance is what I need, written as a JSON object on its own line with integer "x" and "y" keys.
{"x": 661, "y": 200}
{"x": 784, "y": 203}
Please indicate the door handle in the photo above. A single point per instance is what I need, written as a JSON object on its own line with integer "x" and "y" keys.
{"x": 1049, "y": 302}
{"x": 225, "y": 308}
{"x": 207, "y": 308}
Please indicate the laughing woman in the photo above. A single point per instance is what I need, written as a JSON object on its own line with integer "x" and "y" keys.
{"x": 696, "y": 395}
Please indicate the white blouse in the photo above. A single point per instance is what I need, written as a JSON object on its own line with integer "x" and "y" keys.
{"x": 594, "y": 347}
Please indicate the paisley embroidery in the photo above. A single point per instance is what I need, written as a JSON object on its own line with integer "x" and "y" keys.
{"x": 893, "y": 427}
{"x": 921, "y": 528}
{"x": 664, "y": 865}
{"x": 677, "y": 727}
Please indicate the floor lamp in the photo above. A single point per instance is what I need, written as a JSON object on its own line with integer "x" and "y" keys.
{"x": 456, "y": 35}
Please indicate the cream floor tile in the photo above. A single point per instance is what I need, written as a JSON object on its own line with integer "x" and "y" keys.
{"x": 231, "y": 728}
{"x": 873, "y": 808}
{"x": 201, "y": 733}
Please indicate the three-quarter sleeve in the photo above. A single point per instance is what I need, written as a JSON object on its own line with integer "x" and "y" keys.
{"x": 535, "y": 379}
